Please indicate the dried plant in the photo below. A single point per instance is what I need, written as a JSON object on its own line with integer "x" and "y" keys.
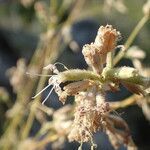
{"x": 91, "y": 111}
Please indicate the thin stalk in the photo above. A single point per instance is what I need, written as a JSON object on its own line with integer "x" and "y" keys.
{"x": 46, "y": 140}
{"x": 9, "y": 130}
{"x": 33, "y": 107}
{"x": 131, "y": 38}
{"x": 49, "y": 111}
{"x": 125, "y": 103}
{"x": 42, "y": 80}
{"x": 109, "y": 61}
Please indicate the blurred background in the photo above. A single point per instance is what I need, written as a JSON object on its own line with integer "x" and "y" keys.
{"x": 34, "y": 33}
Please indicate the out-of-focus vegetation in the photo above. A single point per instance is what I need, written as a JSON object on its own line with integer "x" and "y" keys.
{"x": 35, "y": 33}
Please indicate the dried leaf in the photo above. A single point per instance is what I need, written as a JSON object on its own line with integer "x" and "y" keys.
{"x": 134, "y": 88}
{"x": 119, "y": 133}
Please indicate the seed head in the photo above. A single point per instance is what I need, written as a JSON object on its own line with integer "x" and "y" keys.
{"x": 106, "y": 39}
{"x": 93, "y": 58}
{"x": 95, "y": 53}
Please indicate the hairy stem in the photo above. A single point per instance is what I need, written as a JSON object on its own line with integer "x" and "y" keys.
{"x": 126, "y": 74}
{"x": 46, "y": 140}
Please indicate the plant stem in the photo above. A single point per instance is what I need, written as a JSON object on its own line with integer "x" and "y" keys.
{"x": 125, "y": 74}
{"x": 49, "y": 58}
{"x": 109, "y": 61}
{"x": 125, "y": 103}
{"x": 131, "y": 38}
{"x": 30, "y": 120}
{"x": 46, "y": 140}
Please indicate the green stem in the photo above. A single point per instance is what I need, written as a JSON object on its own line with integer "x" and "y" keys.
{"x": 131, "y": 38}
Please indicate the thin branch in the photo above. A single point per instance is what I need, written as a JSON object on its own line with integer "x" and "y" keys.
{"x": 131, "y": 38}
{"x": 109, "y": 60}
{"x": 125, "y": 103}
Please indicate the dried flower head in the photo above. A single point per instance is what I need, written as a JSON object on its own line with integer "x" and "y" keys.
{"x": 17, "y": 75}
{"x": 89, "y": 116}
{"x": 92, "y": 112}
{"x": 93, "y": 58}
{"x": 106, "y": 39}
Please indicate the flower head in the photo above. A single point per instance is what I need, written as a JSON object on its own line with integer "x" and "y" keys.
{"x": 92, "y": 112}
{"x": 95, "y": 53}
{"x": 106, "y": 39}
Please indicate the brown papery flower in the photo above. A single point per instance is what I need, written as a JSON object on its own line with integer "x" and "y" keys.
{"x": 105, "y": 41}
